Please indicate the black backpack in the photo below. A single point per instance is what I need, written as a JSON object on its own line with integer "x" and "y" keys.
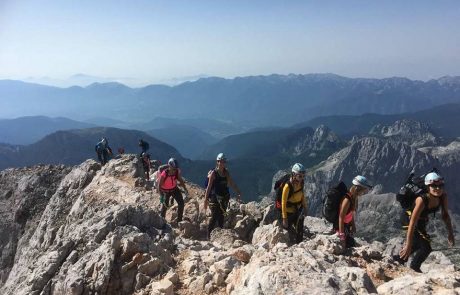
{"x": 278, "y": 187}
{"x": 412, "y": 188}
{"x": 331, "y": 202}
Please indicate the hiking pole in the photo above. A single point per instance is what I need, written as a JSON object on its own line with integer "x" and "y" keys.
{"x": 447, "y": 249}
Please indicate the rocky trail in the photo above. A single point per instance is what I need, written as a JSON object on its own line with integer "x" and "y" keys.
{"x": 93, "y": 230}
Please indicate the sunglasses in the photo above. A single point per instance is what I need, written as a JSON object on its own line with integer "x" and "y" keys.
{"x": 437, "y": 186}
{"x": 299, "y": 176}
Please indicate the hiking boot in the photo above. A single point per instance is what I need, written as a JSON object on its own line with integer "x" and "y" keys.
{"x": 416, "y": 269}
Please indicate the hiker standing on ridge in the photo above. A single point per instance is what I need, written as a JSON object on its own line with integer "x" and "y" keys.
{"x": 146, "y": 164}
{"x": 144, "y": 146}
{"x": 345, "y": 226}
{"x": 417, "y": 239}
{"x": 217, "y": 193}
{"x": 103, "y": 151}
{"x": 294, "y": 203}
{"x": 167, "y": 188}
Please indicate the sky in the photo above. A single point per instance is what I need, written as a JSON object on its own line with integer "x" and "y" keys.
{"x": 144, "y": 42}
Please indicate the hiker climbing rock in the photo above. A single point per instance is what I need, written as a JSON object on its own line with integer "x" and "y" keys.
{"x": 103, "y": 151}
{"x": 415, "y": 221}
{"x": 293, "y": 205}
{"x": 144, "y": 146}
{"x": 217, "y": 194}
{"x": 345, "y": 226}
{"x": 146, "y": 164}
{"x": 168, "y": 188}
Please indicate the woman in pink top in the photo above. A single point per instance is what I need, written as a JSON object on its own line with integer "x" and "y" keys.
{"x": 167, "y": 188}
{"x": 346, "y": 224}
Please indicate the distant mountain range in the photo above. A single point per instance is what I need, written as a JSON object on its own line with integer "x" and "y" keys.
{"x": 255, "y": 101}
{"x": 215, "y": 129}
{"x": 75, "y": 146}
{"x": 442, "y": 119}
{"x": 254, "y": 156}
{"x": 27, "y": 130}
{"x": 285, "y": 143}
{"x": 190, "y": 141}
{"x": 387, "y": 163}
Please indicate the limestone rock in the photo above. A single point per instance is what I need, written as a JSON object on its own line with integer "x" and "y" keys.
{"x": 223, "y": 237}
{"x": 245, "y": 228}
{"x": 268, "y": 236}
{"x": 431, "y": 283}
{"x": 91, "y": 230}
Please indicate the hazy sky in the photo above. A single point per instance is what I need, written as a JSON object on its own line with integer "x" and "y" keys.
{"x": 154, "y": 41}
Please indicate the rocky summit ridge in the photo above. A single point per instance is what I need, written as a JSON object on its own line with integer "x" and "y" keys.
{"x": 97, "y": 230}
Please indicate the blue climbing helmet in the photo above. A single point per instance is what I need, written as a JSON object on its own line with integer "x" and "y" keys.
{"x": 298, "y": 168}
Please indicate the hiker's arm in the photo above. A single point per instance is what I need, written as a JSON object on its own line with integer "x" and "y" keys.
{"x": 447, "y": 221}
{"x": 344, "y": 206}
{"x": 181, "y": 181}
{"x": 233, "y": 185}
{"x": 355, "y": 209}
{"x": 406, "y": 251}
{"x": 208, "y": 189}
{"x": 284, "y": 199}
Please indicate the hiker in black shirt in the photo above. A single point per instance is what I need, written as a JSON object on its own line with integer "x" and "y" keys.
{"x": 217, "y": 193}
{"x": 144, "y": 146}
{"x": 417, "y": 239}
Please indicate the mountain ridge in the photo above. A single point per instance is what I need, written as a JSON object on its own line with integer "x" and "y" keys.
{"x": 72, "y": 147}
{"x": 98, "y": 230}
{"x": 252, "y": 101}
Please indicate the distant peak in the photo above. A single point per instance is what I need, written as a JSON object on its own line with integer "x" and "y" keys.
{"x": 449, "y": 80}
{"x": 106, "y": 85}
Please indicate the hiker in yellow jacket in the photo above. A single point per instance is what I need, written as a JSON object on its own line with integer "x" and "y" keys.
{"x": 294, "y": 203}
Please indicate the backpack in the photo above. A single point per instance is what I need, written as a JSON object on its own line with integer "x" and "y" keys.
{"x": 279, "y": 186}
{"x": 331, "y": 202}
{"x": 163, "y": 168}
{"x": 411, "y": 189}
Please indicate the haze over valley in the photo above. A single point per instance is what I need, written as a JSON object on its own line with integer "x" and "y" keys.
{"x": 96, "y": 96}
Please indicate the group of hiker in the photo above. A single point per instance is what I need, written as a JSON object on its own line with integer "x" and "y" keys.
{"x": 291, "y": 205}
{"x": 340, "y": 205}
{"x": 217, "y": 196}
{"x": 104, "y": 153}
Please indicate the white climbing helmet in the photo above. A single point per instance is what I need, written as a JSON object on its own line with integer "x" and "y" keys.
{"x": 433, "y": 178}
{"x": 361, "y": 181}
{"x": 173, "y": 163}
{"x": 221, "y": 157}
